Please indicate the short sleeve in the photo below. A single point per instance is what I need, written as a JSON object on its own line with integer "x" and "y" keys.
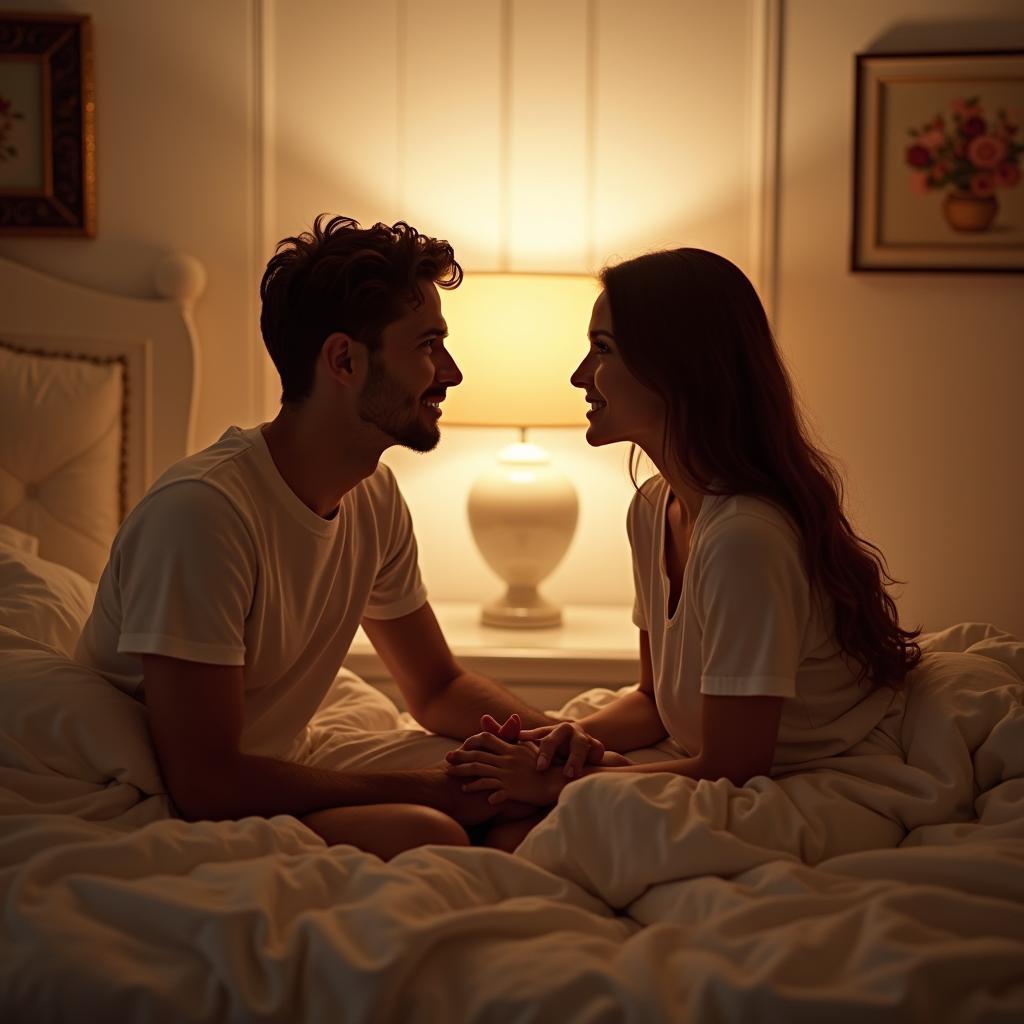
{"x": 398, "y": 587}
{"x": 639, "y": 613}
{"x": 186, "y": 574}
{"x": 753, "y": 601}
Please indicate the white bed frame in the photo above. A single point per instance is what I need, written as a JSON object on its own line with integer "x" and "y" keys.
{"x": 154, "y": 338}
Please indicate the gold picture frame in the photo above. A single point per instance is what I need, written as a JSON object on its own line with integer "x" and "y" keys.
{"x": 938, "y": 175}
{"x": 47, "y": 125}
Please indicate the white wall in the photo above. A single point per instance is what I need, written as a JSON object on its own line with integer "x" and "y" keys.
{"x": 629, "y": 126}
{"x": 174, "y": 167}
{"x": 914, "y": 380}
{"x": 535, "y": 136}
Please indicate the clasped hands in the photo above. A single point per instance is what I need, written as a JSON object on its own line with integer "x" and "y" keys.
{"x": 528, "y": 765}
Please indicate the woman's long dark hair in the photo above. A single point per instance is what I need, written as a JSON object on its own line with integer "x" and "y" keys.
{"x": 690, "y": 326}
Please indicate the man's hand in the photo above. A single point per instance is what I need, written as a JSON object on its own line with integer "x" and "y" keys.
{"x": 507, "y": 771}
{"x": 466, "y": 807}
{"x": 509, "y": 732}
{"x": 568, "y": 740}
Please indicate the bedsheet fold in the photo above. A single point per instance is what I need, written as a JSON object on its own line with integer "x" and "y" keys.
{"x": 887, "y": 887}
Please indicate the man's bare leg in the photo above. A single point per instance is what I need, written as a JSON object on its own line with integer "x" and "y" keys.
{"x": 386, "y": 829}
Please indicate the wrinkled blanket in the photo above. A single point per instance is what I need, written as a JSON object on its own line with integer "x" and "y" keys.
{"x": 887, "y": 887}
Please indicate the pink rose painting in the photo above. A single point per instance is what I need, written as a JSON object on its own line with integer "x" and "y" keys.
{"x": 969, "y": 154}
{"x": 8, "y": 115}
{"x": 938, "y": 156}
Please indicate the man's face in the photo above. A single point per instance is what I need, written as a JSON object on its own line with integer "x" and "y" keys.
{"x": 409, "y": 375}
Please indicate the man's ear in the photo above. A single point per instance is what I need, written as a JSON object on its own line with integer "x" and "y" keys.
{"x": 340, "y": 357}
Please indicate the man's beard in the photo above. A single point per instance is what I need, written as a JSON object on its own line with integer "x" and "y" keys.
{"x": 395, "y": 412}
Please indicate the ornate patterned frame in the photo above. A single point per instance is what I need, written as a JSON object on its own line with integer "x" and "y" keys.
{"x": 66, "y": 203}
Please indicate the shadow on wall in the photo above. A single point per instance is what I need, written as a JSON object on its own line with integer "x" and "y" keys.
{"x": 949, "y": 36}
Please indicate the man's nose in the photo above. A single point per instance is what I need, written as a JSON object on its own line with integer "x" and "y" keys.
{"x": 448, "y": 371}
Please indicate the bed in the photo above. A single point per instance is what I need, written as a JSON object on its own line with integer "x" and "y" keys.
{"x": 637, "y": 900}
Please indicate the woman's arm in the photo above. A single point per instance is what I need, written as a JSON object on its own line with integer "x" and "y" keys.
{"x": 738, "y": 736}
{"x": 632, "y": 721}
{"x": 627, "y": 723}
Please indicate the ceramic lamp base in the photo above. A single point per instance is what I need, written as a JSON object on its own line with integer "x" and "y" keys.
{"x": 523, "y": 608}
{"x": 522, "y": 513}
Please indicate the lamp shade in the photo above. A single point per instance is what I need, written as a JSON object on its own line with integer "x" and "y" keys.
{"x": 517, "y": 338}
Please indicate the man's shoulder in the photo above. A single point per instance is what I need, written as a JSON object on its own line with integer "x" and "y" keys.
{"x": 381, "y": 487}
{"x": 232, "y": 448}
{"x": 184, "y": 506}
{"x": 204, "y": 487}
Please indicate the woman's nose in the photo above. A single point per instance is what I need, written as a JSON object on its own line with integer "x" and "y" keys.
{"x": 581, "y": 376}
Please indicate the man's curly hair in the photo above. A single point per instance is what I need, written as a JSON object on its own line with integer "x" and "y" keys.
{"x": 340, "y": 277}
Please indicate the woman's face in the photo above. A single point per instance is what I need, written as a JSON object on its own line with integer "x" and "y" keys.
{"x": 621, "y": 408}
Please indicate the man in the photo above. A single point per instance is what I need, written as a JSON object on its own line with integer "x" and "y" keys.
{"x": 236, "y": 585}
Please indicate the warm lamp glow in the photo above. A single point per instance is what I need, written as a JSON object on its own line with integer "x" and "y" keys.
{"x": 517, "y": 338}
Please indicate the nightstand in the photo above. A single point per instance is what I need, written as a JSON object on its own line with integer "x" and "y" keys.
{"x": 594, "y": 646}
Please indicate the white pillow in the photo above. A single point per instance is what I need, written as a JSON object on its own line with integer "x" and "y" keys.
{"x": 61, "y": 458}
{"x": 42, "y": 600}
{"x": 17, "y": 539}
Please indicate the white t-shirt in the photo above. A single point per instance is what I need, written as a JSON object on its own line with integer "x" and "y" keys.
{"x": 745, "y": 624}
{"x": 222, "y": 563}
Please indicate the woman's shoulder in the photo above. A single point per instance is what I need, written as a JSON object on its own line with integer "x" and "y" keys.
{"x": 645, "y": 503}
{"x": 746, "y": 520}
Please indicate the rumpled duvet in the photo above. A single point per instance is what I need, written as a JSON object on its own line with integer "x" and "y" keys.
{"x": 885, "y": 887}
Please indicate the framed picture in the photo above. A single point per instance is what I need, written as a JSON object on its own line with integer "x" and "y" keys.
{"x": 938, "y": 162}
{"x": 47, "y": 140}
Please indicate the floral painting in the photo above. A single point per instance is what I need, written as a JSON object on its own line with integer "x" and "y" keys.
{"x": 22, "y": 122}
{"x": 938, "y": 162}
{"x": 970, "y": 157}
{"x": 47, "y": 141}
{"x": 8, "y": 115}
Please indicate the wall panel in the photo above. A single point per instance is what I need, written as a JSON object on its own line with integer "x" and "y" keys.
{"x": 549, "y": 199}
{"x": 536, "y": 136}
{"x": 451, "y": 125}
{"x": 673, "y": 104}
{"x": 335, "y": 112}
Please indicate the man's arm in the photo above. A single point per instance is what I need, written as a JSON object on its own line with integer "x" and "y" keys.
{"x": 439, "y": 694}
{"x": 196, "y": 712}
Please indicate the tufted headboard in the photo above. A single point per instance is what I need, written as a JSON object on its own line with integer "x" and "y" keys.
{"x": 96, "y": 400}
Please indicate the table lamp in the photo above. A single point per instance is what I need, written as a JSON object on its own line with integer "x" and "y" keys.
{"x": 517, "y": 338}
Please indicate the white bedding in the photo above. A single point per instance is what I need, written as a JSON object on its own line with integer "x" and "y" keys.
{"x": 639, "y": 900}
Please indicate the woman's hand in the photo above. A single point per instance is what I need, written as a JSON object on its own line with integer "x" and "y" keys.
{"x": 508, "y": 731}
{"x": 613, "y": 760}
{"x": 565, "y": 739}
{"x": 508, "y": 771}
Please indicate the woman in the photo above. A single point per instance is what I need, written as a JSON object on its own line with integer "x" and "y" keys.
{"x": 767, "y": 638}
